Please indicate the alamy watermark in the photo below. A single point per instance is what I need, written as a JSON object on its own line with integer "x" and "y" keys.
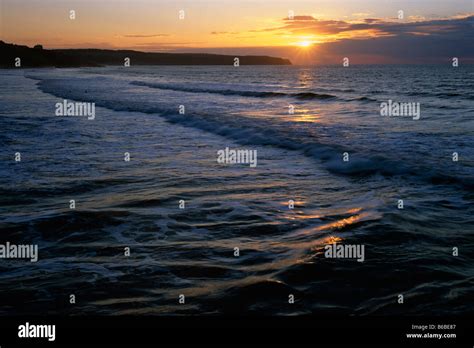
{"x": 345, "y": 251}
{"x": 68, "y": 108}
{"x": 237, "y": 156}
{"x": 28, "y": 330}
{"x": 20, "y": 251}
{"x": 392, "y": 108}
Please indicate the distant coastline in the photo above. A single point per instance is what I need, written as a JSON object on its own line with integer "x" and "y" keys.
{"x": 72, "y": 58}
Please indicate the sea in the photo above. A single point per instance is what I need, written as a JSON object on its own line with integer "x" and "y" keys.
{"x": 133, "y": 214}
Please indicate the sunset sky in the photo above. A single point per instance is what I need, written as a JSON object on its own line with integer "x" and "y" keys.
{"x": 366, "y": 31}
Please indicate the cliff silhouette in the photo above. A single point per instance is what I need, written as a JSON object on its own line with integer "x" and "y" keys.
{"x": 68, "y": 58}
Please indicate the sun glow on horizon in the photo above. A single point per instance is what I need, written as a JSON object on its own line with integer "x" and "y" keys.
{"x": 251, "y": 27}
{"x": 304, "y": 43}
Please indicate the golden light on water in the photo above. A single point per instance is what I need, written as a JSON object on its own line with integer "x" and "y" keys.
{"x": 356, "y": 216}
{"x": 332, "y": 240}
{"x": 342, "y": 223}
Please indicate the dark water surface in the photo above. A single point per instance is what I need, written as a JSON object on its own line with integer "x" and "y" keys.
{"x": 191, "y": 251}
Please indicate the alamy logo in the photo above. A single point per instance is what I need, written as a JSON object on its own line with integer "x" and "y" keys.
{"x": 13, "y": 251}
{"x": 346, "y": 251}
{"x": 37, "y": 331}
{"x": 68, "y": 108}
{"x": 392, "y": 108}
{"x": 239, "y": 156}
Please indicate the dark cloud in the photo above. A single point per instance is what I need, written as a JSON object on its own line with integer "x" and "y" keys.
{"x": 434, "y": 41}
{"x": 371, "y": 20}
{"x": 300, "y": 18}
{"x": 311, "y": 25}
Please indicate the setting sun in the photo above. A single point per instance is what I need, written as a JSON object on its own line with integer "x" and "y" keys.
{"x": 304, "y": 44}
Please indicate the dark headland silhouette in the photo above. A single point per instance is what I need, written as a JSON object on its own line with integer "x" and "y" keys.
{"x": 69, "y": 58}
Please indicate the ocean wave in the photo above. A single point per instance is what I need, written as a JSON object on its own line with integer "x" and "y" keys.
{"x": 256, "y": 94}
{"x": 365, "y": 99}
{"x": 361, "y": 164}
